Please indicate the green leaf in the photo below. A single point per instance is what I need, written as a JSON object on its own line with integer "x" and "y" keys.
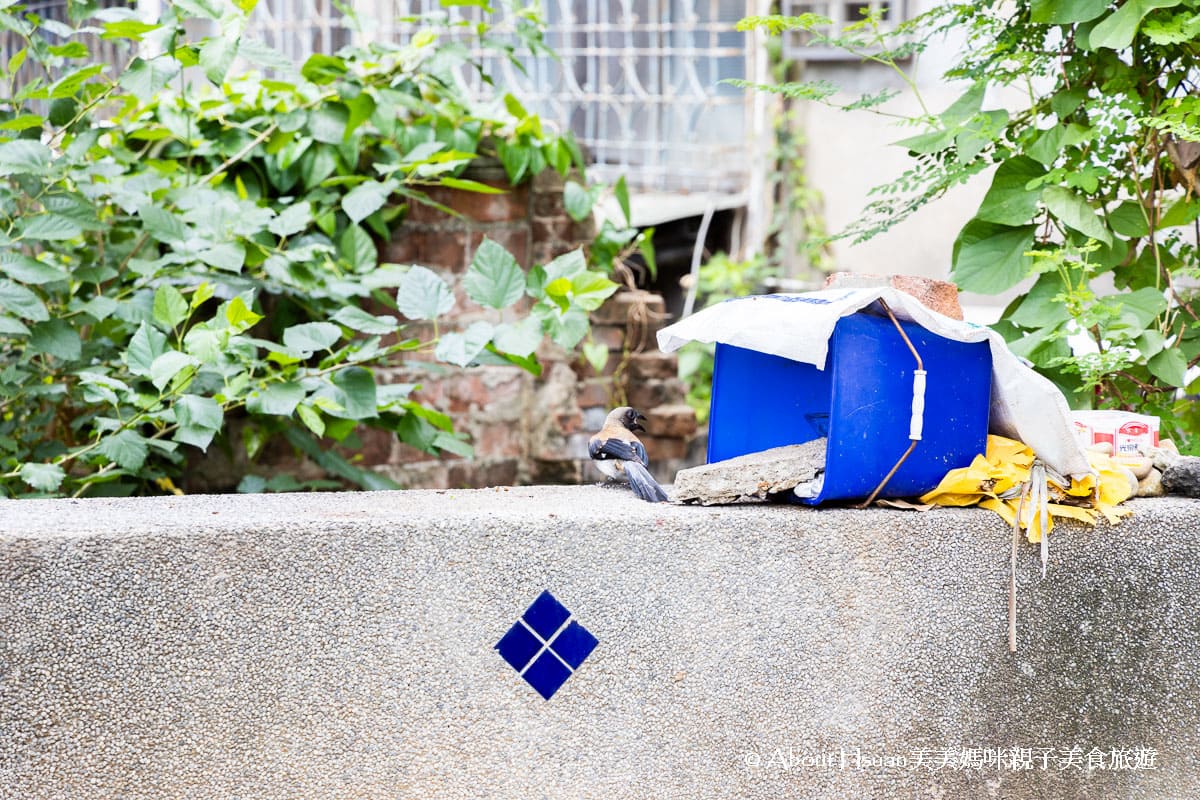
{"x": 310, "y": 337}
{"x": 568, "y": 330}
{"x": 239, "y": 316}
{"x": 276, "y": 399}
{"x": 70, "y": 50}
{"x": 50, "y": 228}
{"x": 146, "y": 344}
{"x": 965, "y": 107}
{"x": 163, "y": 225}
{"x": 317, "y": 164}
{"x": 565, "y": 266}
{"x": 327, "y": 123}
{"x": 292, "y": 219}
{"x": 126, "y": 449}
{"x": 435, "y": 418}
{"x": 1181, "y": 212}
{"x": 589, "y": 290}
{"x": 646, "y": 248}
{"x": 73, "y": 81}
{"x": 358, "y": 395}
{"x": 56, "y": 337}
{"x": 199, "y": 420}
{"x": 1116, "y": 31}
{"x": 1129, "y": 219}
{"x": 170, "y": 307}
{"x": 365, "y": 199}
{"x": 99, "y": 388}
{"x": 10, "y": 326}
{"x": 596, "y": 355}
{"x": 362, "y": 106}
{"x": 204, "y": 292}
{"x": 217, "y": 55}
{"x": 559, "y": 290}
{"x": 515, "y": 158}
{"x": 322, "y": 69}
{"x": 514, "y": 107}
{"x": 578, "y": 201}
{"x": 311, "y": 419}
{"x": 144, "y": 79}
{"x": 1065, "y": 12}
{"x": 228, "y": 256}
{"x": 1008, "y": 202}
{"x": 1150, "y": 343}
{"x": 494, "y": 278}
{"x": 519, "y": 339}
{"x": 470, "y": 186}
{"x": 22, "y": 123}
{"x": 1170, "y": 367}
{"x": 22, "y": 302}
{"x": 1038, "y": 308}
{"x": 1049, "y": 145}
{"x": 621, "y": 192}
{"x": 29, "y": 270}
{"x": 355, "y": 318}
{"x": 1143, "y": 306}
{"x": 166, "y": 366}
{"x": 18, "y": 58}
{"x": 1073, "y": 211}
{"x": 203, "y": 9}
{"x": 451, "y": 443}
{"x": 358, "y": 249}
{"x": 423, "y": 295}
{"x": 42, "y": 477}
{"x": 926, "y": 143}
{"x": 461, "y": 349}
{"x": 558, "y": 155}
{"x": 989, "y": 258}
{"x": 24, "y": 156}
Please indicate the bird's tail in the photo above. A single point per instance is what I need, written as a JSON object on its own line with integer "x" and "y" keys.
{"x": 643, "y": 483}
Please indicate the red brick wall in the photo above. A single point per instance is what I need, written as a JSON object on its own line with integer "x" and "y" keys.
{"x": 524, "y": 429}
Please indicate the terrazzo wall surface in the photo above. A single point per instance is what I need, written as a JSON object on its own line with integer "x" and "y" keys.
{"x": 343, "y": 646}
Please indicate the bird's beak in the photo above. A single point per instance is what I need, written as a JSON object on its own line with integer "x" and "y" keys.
{"x": 637, "y": 426}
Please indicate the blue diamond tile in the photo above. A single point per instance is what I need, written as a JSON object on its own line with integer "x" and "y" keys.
{"x": 574, "y": 644}
{"x": 546, "y": 675}
{"x": 518, "y": 646}
{"x": 546, "y": 615}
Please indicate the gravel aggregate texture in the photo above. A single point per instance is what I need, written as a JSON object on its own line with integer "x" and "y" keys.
{"x": 340, "y": 646}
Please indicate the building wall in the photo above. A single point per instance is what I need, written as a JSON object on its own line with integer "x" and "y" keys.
{"x": 849, "y": 153}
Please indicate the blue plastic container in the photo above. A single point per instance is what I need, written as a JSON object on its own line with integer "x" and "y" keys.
{"x": 861, "y": 402}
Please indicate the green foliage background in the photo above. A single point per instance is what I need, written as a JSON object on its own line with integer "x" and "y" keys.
{"x": 181, "y": 242}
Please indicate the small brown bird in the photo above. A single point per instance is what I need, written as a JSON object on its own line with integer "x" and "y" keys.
{"x": 618, "y": 453}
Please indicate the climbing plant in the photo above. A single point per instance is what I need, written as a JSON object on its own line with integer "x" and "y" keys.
{"x": 185, "y": 239}
{"x": 1093, "y": 188}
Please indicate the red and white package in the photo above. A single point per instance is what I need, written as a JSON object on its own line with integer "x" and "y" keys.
{"x": 1129, "y": 434}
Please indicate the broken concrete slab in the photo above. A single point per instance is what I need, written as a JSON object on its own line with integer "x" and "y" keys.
{"x": 754, "y": 475}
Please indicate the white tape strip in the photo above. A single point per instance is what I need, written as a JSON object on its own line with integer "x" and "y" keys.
{"x": 917, "y": 423}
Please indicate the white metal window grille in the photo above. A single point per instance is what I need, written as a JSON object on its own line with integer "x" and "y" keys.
{"x": 299, "y": 28}
{"x": 639, "y": 81}
{"x": 103, "y": 51}
{"x": 796, "y": 44}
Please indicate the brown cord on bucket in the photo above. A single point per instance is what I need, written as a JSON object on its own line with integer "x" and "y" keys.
{"x": 913, "y": 445}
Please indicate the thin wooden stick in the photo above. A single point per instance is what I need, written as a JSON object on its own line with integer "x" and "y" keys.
{"x": 1012, "y": 573}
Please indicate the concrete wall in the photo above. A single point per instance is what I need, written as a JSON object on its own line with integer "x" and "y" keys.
{"x": 340, "y": 646}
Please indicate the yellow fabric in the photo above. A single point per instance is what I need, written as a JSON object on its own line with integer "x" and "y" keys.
{"x": 1008, "y": 464}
